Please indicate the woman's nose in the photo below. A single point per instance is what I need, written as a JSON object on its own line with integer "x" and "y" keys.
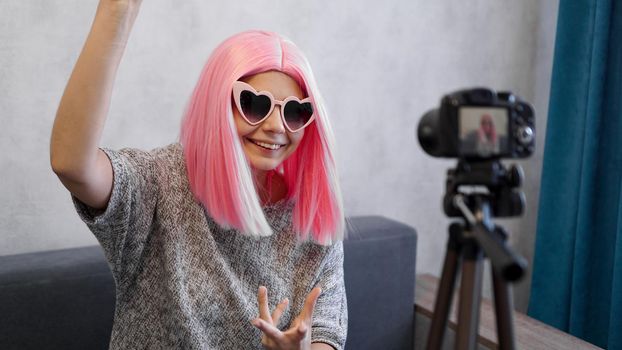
{"x": 274, "y": 123}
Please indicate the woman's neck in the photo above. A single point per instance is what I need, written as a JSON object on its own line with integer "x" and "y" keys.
{"x": 270, "y": 186}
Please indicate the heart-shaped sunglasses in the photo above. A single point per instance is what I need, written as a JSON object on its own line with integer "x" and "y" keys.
{"x": 255, "y": 107}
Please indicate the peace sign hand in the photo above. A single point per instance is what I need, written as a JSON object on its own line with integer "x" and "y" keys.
{"x": 298, "y": 337}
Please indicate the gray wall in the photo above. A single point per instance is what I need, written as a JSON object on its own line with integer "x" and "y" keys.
{"x": 380, "y": 66}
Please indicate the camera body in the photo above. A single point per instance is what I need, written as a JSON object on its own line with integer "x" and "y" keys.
{"x": 479, "y": 123}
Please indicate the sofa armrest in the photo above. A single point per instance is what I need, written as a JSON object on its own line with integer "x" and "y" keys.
{"x": 379, "y": 270}
{"x": 62, "y": 299}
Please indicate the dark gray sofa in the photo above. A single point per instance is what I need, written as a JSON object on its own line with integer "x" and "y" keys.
{"x": 64, "y": 299}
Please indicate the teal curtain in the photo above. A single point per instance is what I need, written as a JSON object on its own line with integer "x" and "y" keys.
{"x": 577, "y": 270}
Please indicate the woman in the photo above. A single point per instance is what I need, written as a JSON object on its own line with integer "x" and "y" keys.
{"x": 204, "y": 237}
{"x": 487, "y": 140}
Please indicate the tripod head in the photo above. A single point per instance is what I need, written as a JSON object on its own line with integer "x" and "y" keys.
{"x": 498, "y": 186}
{"x": 495, "y": 192}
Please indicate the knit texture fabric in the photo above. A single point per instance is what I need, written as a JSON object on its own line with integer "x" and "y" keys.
{"x": 184, "y": 282}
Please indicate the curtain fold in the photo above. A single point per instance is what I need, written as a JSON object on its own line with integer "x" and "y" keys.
{"x": 577, "y": 272}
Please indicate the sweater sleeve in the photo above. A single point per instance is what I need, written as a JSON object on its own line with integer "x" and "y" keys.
{"x": 330, "y": 316}
{"x": 123, "y": 227}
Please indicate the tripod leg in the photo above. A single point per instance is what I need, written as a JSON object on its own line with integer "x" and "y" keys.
{"x": 470, "y": 298}
{"x": 444, "y": 293}
{"x": 503, "y": 312}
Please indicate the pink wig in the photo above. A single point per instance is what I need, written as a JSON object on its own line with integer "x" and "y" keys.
{"x": 219, "y": 173}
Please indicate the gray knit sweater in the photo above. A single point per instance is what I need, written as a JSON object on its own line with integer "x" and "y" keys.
{"x": 184, "y": 282}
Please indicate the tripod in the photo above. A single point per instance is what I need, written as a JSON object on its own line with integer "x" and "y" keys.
{"x": 468, "y": 242}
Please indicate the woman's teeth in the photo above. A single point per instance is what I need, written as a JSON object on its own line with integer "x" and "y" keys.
{"x": 266, "y": 145}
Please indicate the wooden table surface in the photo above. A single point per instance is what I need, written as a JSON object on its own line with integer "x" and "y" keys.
{"x": 529, "y": 333}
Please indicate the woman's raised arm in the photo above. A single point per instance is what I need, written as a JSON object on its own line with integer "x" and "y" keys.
{"x": 75, "y": 156}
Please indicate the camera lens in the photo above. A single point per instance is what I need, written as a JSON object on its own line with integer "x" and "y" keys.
{"x": 427, "y": 133}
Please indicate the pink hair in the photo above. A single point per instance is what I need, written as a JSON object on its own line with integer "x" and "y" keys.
{"x": 219, "y": 174}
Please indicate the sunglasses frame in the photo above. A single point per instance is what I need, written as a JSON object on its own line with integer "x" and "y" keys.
{"x": 240, "y": 86}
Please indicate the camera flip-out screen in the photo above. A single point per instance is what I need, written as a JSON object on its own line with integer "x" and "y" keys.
{"x": 483, "y": 131}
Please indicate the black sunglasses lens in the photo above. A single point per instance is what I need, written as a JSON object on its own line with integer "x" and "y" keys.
{"x": 254, "y": 107}
{"x": 297, "y": 114}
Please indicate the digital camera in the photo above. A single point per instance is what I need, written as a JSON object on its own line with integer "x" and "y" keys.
{"x": 479, "y": 123}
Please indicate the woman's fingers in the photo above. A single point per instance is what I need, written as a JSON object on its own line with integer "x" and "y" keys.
{"x": 278, "y": 312}
{"x": 274, "y": 336}
{"x": 264, "y": 309}
{"x": 297, "y": 332}
{"x": 302, "y": 329}
{"x": 267, "y": 323}
{"x": 307, "y": 310}
{"x": 268, "y": 329}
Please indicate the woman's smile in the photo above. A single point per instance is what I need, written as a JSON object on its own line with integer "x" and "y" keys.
{"x": 267, "y": 145}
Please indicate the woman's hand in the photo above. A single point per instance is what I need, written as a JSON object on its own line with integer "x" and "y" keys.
{"x": 129, "y": 5}
{"x": 298, "y": 337}
{"x": 123, "y": 12}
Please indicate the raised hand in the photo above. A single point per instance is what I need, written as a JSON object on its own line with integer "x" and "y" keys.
{"x": 125, "y": 11}
{"x": 298, "y": 337}
{"x": 75, "y": 156}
